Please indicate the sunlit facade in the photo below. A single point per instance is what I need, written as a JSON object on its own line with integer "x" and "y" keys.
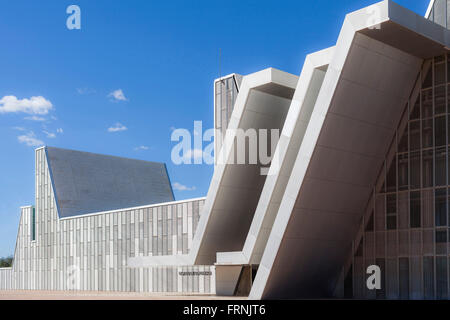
{"x": 359, "y": 181}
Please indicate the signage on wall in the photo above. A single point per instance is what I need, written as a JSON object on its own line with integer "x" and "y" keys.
{"x": 195, "y": 273}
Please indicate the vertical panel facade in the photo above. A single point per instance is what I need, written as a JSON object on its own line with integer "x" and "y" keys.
{"x": 440, "y": 13}
{"x": 226, "y": 90}
{"x": 90, "y": 252}
{"x": 406, "y": 229}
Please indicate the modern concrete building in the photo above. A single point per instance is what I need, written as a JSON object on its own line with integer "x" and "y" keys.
{"x": 92, "y": 212}
{"x": 360, "y": 177}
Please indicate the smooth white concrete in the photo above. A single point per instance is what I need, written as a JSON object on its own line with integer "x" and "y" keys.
{"x": 226, "y": 279}
{"x": 297, "y": 120}
{"x": 234, "y": 192}
{"x": 430, "y": 7}
{"x": 366, "y": 87}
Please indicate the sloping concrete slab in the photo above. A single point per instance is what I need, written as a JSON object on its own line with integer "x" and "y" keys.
{"x": 263, "y": 102}
{"x": 309, "y": 84}
{"x": 363, "y": 95}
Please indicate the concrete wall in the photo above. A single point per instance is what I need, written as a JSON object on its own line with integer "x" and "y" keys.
{"x": 347, "y": 139}
{"x": 226, "y": 90}
{"x": 5, "y": 278}
{"x": 91, "y": 252}
{"x": 439, "y": 12}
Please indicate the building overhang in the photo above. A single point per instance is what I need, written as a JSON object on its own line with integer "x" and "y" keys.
{"x": 263, "y": 102}
{"x": 409, "y": 32}
{"x": 302, "y": 104}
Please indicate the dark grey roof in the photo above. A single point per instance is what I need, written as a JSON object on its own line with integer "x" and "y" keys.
{"x": 86, "y": 182}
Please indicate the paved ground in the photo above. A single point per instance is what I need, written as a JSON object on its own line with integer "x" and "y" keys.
{"x": 85, "y": 295}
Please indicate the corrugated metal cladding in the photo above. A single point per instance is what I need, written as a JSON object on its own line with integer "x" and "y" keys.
{"x": 90, "y": 253}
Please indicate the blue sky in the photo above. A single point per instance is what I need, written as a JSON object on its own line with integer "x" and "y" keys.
{"x": 135, "y": 71}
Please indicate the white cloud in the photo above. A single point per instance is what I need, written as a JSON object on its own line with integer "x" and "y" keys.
{"x": 141, "y": 148}
{"x": 19, "y": 128}
{"x": 35, "y": 118}
{"x": 50, "y": 135}
{"x": 117, "y": 127}
{"x": 30, "y": 140}
{"x": 118, "y": 95}
{"x": 60, "y": 130}
{"x": 180, "y": 187}
{"x": 194, "y": 153}
{"x": 34, "y": 105}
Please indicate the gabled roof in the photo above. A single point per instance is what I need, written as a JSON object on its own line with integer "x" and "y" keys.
{"x": 85, "y": 182}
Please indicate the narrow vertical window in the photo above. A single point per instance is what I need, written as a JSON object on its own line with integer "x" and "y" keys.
{"x": 428, "y": 277}
{"x": 403, "y": 183}
{"x": 440, "y": 207}
{"x": 441, "y": 277}
{"x": 414, "y": 207}
{"x": 33, "y": 224}
{"x": 404, "y": 278}
{"x": 391, "y": 211}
